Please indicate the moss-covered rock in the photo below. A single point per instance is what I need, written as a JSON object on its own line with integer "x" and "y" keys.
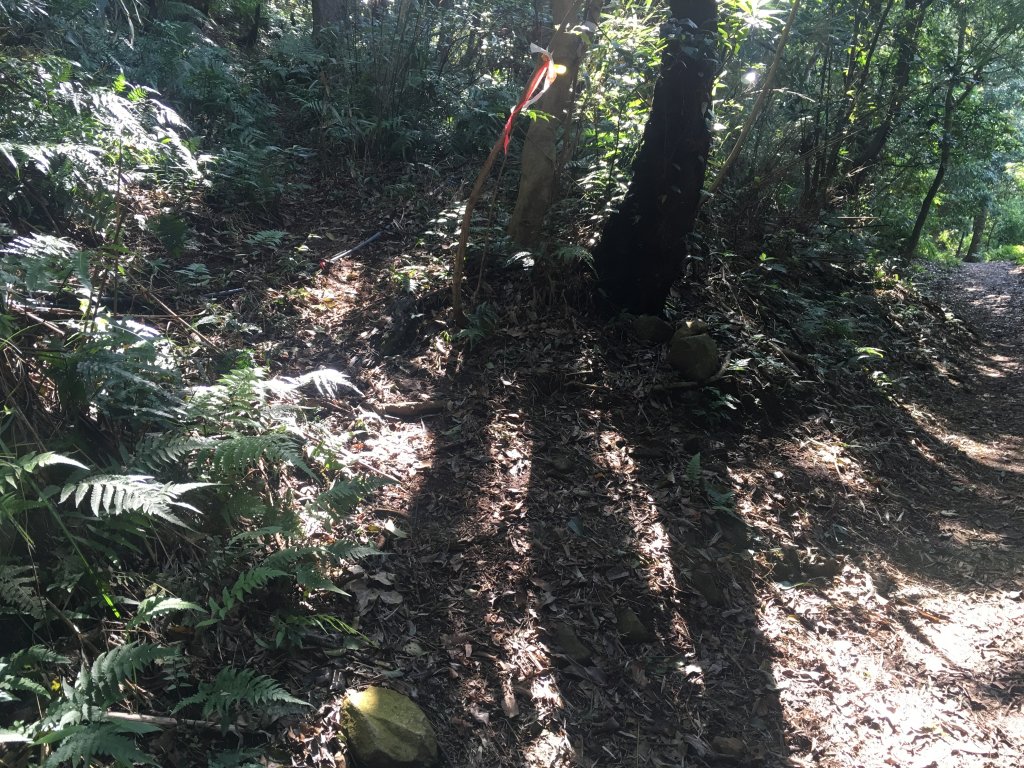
{"x": 649, "y": 329}
{"x": 385, "y": 729}
{"x": 695, "y": 357}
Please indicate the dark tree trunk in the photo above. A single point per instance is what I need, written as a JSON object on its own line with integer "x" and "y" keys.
{"x": 950, "y": 105}
{"x": 980, "y": 220}
{"x": 250, "y": 38}
{"x": 327, "y": 14}
{"x": 644, "y": 242}
{"x": 910, "y": 248}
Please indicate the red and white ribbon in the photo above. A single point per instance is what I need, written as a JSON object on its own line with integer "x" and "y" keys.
{"x": 540, "y": 81}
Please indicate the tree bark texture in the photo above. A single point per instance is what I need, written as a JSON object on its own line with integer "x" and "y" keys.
{"x": 978, "y": 230}
{"x": 644, "y": 242}
{"x": 539, "y": 164}
{"x": 328, "y": 14}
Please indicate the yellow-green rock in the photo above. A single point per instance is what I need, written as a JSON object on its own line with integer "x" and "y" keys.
{"x": 385, "y": 729}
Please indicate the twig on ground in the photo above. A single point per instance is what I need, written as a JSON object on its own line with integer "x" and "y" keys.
{"x": 172, "y": 722}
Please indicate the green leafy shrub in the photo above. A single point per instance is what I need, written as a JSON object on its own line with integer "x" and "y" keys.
{"x": 1014, "y": 253}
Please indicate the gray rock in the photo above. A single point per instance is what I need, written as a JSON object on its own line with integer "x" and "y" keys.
{"x": 695, "y": 357}
{"x": 631, "y": 628}
{"x": 570, "y": 642}
{"x": 651, "y": 330}
{"x": 385, "y": 729}
{"x": 728, "y": 745}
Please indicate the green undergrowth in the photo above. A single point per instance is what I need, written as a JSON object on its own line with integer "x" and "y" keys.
{"x": 145, "y": 519}
{"x": 1011, "y": 253}
{"x": 174, "y": 520}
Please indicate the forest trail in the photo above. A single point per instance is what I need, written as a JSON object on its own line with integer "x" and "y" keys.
{"x": 579, "y": 590}
{"x": 934, "y": 676}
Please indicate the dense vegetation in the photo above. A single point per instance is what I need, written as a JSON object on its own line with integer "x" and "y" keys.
{"x": 160, "y": 487}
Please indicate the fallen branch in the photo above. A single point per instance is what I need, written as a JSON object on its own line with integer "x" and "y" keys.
{"x": 173, "y": 722}
{"x": 175, "y": 316}
{"x": 411, "y": 409}
{"x": 354, "y": 248}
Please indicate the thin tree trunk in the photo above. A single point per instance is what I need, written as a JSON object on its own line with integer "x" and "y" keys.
{"x": 539, "y": 165}
{"x": 906, "y": 45}
{"x": 644, "y": 242}
{"x": 762, "y": 99}
{"x": 977, "y": 232}
{"x": 950, "y": 103}
{"x": 854, "y": 91}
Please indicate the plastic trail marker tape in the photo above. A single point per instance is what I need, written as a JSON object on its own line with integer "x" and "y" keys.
{"x": 540, "y": 81}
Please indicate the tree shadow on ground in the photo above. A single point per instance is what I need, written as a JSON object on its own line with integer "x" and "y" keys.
{"x": 572, "y": 594}
{"x": 587, "y": 605}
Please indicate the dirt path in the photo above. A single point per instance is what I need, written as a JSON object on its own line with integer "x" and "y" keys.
{"x": 578, "y": 590}
{"x": 917, "y": 653}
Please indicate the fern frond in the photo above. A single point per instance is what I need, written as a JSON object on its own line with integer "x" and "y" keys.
{"x": 247, "y": 583}
{"x": 119, "y": 494}
{"x": 79, "y": 744}
{"x": 113, "y": 667}
{"x": 234, "y": 689}
{"x": 152, "y": 607}
{"x": 161, "y": 450}
{"x": 235, "y": 455}
{"x": 349, "y": 550}
{"x": 15, "y": 668}
{"x": 18, "y": 590}
{"x": 234, "y": 399}
{"x": 309, "y": 576}
{"x": 12, "y": 470}
{"x": 343, "y": 496}
{"x": 326, "y": 381}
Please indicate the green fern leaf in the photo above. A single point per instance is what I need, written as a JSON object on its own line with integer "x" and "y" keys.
{"x": 234, "y": 689}
{"x": 15, "y": 668}
{"x": 120, "y": 494}
{"x": 237, "y": 454}
{"x": 161, "y": 450}
{"x": 79, "y": 744}
{"x": 152, "y": 607}
{"x": 18, "y": 590}
{"x": 12, "y": 470}
{"x": 247, "y": 583}
{"x": 103, "y": 680}
{"x": 342, "y": 497}
{"x": 326, "y": 381}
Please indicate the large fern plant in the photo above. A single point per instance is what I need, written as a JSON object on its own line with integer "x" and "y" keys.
{"x": 235, "y": 474}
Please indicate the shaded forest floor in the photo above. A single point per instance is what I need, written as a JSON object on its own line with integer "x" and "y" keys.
{"x": 815, "y": 561}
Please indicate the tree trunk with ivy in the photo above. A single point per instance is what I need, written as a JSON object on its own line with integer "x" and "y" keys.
{"x": 538, "y": 180}
{"x": 645, "y": 241}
